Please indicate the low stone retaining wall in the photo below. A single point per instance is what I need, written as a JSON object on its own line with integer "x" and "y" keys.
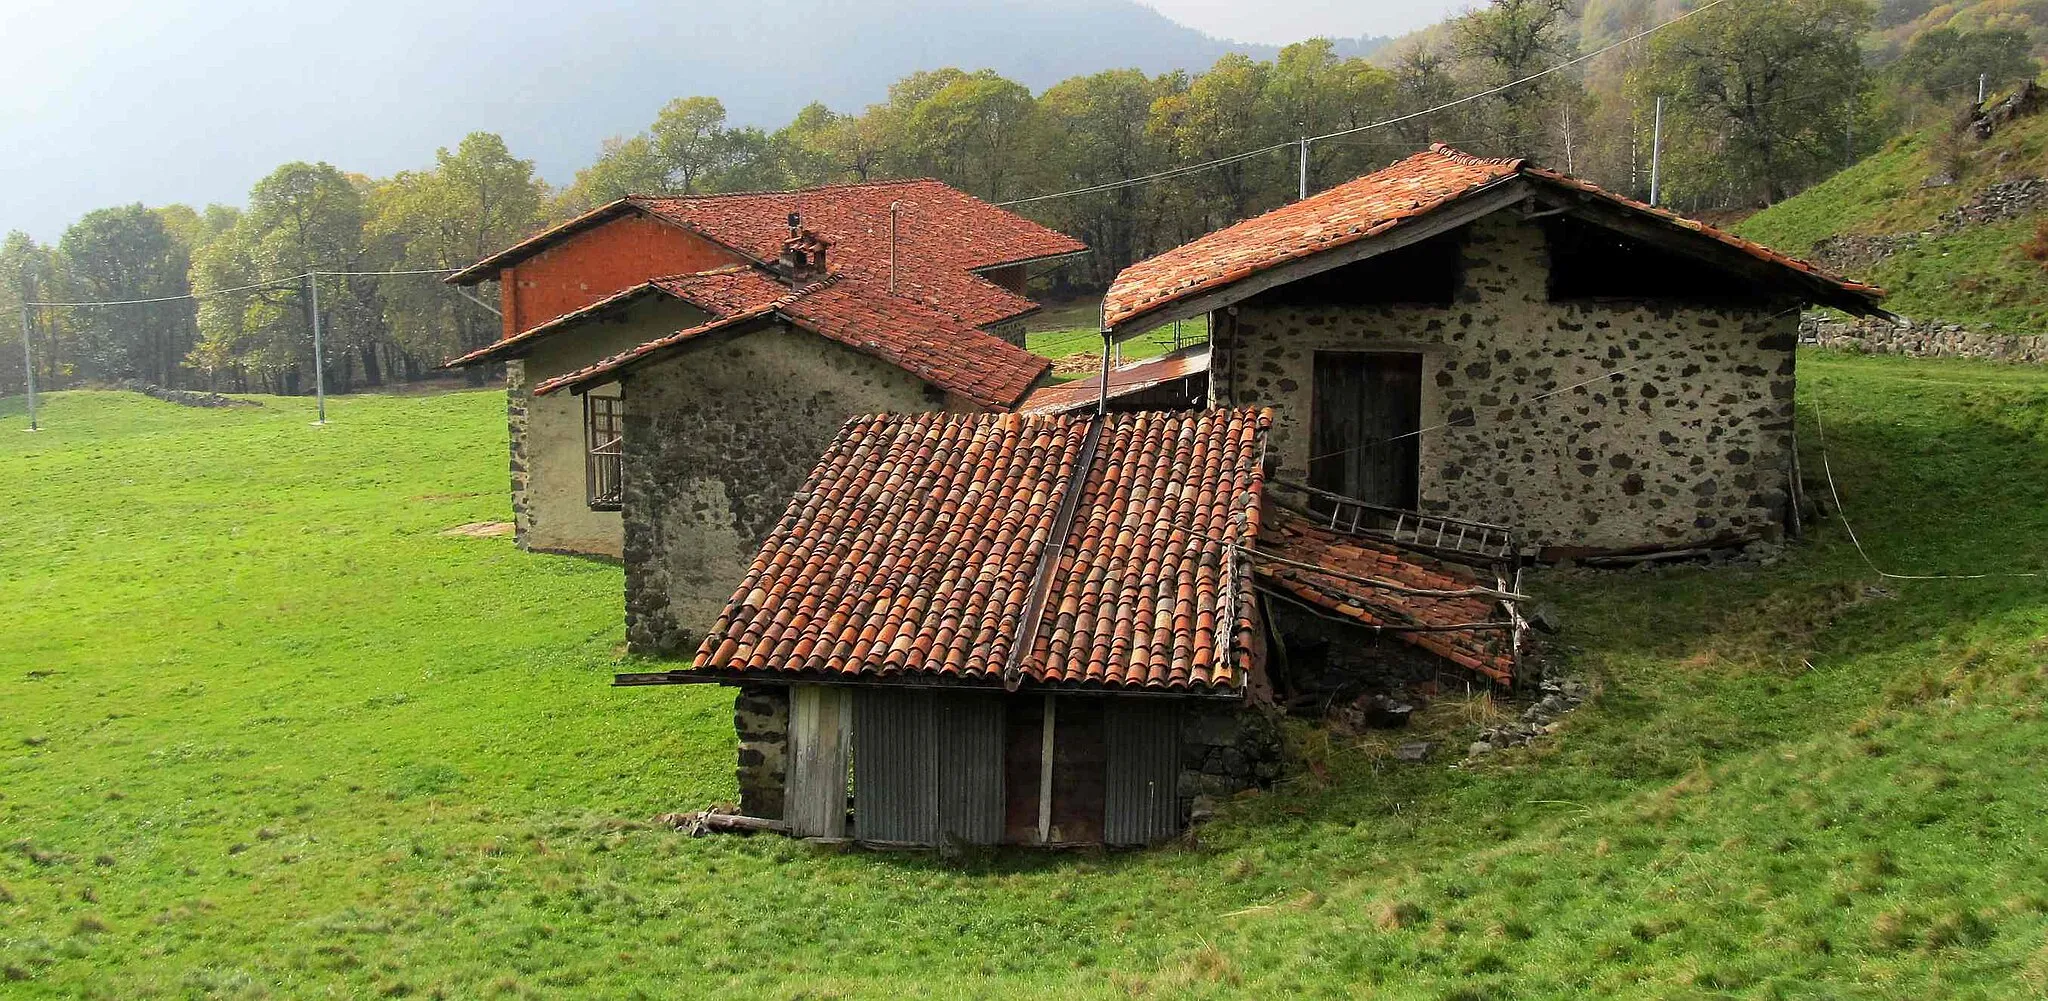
{"x": 1923, "y": 340}
{"x": 188, "y": 398}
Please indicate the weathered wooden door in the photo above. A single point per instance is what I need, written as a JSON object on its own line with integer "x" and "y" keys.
{"x": 819, "y": 718}
{"x": 1362, "y": 439}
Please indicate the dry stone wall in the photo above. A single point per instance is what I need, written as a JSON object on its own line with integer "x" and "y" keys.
{"x": 760, "y": 715}
{"x": 1923, "y": 340}
{"x": 1689, "y": 441}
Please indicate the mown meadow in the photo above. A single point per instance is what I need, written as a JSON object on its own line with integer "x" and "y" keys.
{"x": 266, "y": 731}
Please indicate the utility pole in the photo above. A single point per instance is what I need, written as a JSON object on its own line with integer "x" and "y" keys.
{"x": 1849, "y": 138}
{"x": 1657, "y": 153}
{"x": 319, "y": 365}
{"x": 28, "y": 354}
{"x": 1304, "y": 165}
{"x": 1981, "y": 81}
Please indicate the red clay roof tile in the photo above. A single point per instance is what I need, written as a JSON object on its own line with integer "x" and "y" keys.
{"x": 720, "y": 292}
{"x": 921, "y": 340}
{"x": 1362, "y": 208}
{"x": 913, "y": 548}
{"x": 944, "y": 235}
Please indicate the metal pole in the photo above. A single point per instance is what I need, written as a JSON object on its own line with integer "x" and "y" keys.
{"x": 319, "y": 367}
{"x": 1657, "y": 154}
{"x": 1849, "y": 140}
{"x": 1102, "y": 391}
{"x": 28, "y": 355}
{"x": 1981, "y": 81}
{"x": 1304, "y": 166}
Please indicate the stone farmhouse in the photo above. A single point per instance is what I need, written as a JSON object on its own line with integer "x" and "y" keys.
{"x": 992, "y": 612}
{"x": 1491, "y": 341}
{"x": 950, "y": 268}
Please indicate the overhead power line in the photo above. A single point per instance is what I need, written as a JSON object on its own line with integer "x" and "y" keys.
{"x": 301, "y": 276}
{"x": 1304, "y": 142}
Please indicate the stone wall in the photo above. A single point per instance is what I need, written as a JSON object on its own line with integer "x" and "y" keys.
{"x": 1011, "y": 332}
{"x": 1226, "y": 748}
{"x": 1691, "y": 442}
{"x": 1922, "y": 340}
{"x": 718, "y": 439}
{"x": 760, "y": 715}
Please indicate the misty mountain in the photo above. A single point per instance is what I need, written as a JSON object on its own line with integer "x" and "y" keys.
{"x": 195, "y": 105}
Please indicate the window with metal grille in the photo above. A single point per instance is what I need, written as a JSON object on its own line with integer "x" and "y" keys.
{"x": 603, "y": 436}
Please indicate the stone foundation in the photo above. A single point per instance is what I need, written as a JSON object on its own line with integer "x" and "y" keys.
{"x": 760, "y": 715}
{"x": 1923, "y": 340}
{"x": 517, "y": 395}
{"x": 1226, "y": 748}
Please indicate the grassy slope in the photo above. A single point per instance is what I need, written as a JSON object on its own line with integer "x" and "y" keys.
{"x": 1978, "y": 275}
{"x": 267, "y": 732}
{"x": 1074, "y": 328}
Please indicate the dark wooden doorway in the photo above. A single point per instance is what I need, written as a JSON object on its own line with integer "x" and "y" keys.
{"x": 1362, "y": 440}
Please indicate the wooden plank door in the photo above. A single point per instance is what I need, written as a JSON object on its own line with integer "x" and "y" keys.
{"x": 819, "y": 717}
{"x": 1367, "y": 408}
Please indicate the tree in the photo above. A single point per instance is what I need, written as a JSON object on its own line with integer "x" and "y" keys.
{"x": 1102, "y": 121}
{"x": 1320, "y": 93}
{"x": 477, "y": 199}
{"x": 1223, "y": 112}
{"x": 689, "y": 141}
{"x": 1757, "y": 95}
{"x": 1510, "y": 41}
{"x": 127, "y": 253}
{"x": 1945, "y": 63}
{"x": 26, "y": 269}
{"x": 974, "y": 131}
{"x": 624, "y": 167}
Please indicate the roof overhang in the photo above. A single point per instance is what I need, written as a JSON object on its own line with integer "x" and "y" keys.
{"x": 703, "y": 676}
{"x": 1464, "y": 210}
{"x": 609, "y": 369}
{"x": 520, "y": 344}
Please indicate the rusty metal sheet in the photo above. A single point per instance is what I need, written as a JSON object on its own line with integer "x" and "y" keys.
{"x": 895, "y": 766}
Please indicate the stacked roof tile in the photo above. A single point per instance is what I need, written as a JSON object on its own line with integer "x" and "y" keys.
{"x": 1301, "y": 545}
{"x": 1375, "y": 204}
{"x": 919, "y": 339}
{"x": 916, "y": 547}
{"x": 943, "y": 235}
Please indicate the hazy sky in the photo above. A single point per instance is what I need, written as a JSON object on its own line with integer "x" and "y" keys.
{"x": 1278, "y": 22}
{"x": 106, "y": 102}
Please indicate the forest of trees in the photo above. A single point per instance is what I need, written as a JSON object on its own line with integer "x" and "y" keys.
{"x": 1761, "y": 100}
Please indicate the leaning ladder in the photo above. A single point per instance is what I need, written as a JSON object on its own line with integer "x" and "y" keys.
{"x": 1493, "y": 543}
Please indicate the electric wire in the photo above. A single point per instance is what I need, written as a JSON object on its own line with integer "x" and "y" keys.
{"x": 302, "y": 276}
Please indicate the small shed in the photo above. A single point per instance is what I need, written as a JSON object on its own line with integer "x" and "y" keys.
{"x": 1003, "y": 629}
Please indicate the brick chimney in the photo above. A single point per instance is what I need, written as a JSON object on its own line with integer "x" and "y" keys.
{"x": 803, "y": 254}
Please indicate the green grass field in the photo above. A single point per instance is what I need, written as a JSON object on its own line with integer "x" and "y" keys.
{"x": 1075, "y": 328}
{"x": 268, "y": 733}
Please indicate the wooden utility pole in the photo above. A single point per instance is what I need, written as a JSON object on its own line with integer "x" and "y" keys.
{"x": 319, "y": 364}
{"x": 1657, "y": 153}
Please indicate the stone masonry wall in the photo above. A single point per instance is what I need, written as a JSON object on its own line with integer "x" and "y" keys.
{"x": 1226, "y": 748}
{"x": 518, "y": 393}
{"x": 1923, "y": 340}
{"x": 1691, "y": 443}
{"x": 760, "y": 715}
{"x": 717, "y": 441}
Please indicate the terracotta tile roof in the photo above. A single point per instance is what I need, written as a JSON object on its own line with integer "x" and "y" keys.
{"x": 943, "y": 236}
{"x": 914, "y": 547}
{"x": 720, "y": 292}
{"x": 921, "y": 340}
{"x": 1080, "y": 394}
{"x": 1289, "y": 535}
{"x": 1367, "y": 207}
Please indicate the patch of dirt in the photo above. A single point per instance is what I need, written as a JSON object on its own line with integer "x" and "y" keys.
{"x": 481, "y": 530}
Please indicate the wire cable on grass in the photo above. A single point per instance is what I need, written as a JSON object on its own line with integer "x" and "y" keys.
{"x": 1828, "y": 468}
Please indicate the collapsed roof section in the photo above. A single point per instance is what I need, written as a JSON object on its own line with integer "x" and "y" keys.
{"x": 1431, "y": 192}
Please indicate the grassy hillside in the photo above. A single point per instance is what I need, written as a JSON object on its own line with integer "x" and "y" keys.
{"x": 1977, "y": 274}
{"x": 268, "y": 733}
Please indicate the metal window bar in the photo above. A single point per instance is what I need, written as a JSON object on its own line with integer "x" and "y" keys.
{"x": 604, "y": 437}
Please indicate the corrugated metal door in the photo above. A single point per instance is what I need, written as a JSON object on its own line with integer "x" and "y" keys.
{"x": 1143, "y": 770}
{"x": 895, "y": 766}
{"x": 970, "y": 729}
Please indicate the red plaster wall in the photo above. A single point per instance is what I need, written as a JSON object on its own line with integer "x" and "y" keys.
{"x": 597, "y": 262}
{"x": 1012, "y": 277}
